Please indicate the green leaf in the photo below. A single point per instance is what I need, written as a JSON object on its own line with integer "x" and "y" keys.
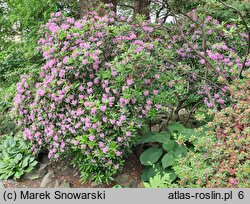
{"x": 171, "y": 145}
{"x": 61, "y": 34}
{"x": 176, "y": 127}
{"x": 3, "y": 165}
{"x": 29, "y": 169}
{"x": 144, "y": 175}
{"x": 17, "y": 158}
{"x": 155, "y": 182}
{"x": 146, "y": 185}
{"x": 188, "y": 133}
{"x": 117, "y": 186}
{"x": 162, "y": 137}
{"x": 25, "y": 161}
{"x": 168, "y": 160}
{"x": 150, "y": 172}
{"x": 180, "y": 151}
{"x": 34, "y": 163}
{"x": 151, "y": 155}
{"x": 3, "y": 177}
{"x": 17, "y": 175}
{"x": 179, "y": 128}
{"x": 172, "y": 175}
{"x": 158, "y": 181}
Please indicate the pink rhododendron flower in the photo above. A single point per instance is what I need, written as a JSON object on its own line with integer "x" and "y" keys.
{"x": 103, "y": 108}
{"x": 91, "y": 138}
{"x": 75, "y": 142}
{"x": 104, "y": 150}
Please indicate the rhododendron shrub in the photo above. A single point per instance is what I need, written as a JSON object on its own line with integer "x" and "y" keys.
{"x": 212, "y": 53}
{"x": 99, "y": 82}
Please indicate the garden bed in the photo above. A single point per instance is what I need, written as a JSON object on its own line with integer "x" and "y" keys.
{"x": 64, "y": 175}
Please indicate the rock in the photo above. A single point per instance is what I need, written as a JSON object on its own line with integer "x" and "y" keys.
{"x": 155, "y": 128}
{"x": 63, "y": 184}
{"x": 45, "y": 160}
{"x": 183, "y": 112}
{"x": 123, "y": 178}
{"x": 37, "y": 173}
{"x": 132, "y": 183}
{"x": 47, "y": 179}
{"x": 1, "y": 184}
{"x": 94, "y": 185}
{"x": 65, "y": 168}
{"x": 42, "y": 167}
{"x": 76, "y": 173}
{"x": 164, "y": 125}
{"x": 140, "y": 185}
{"x": 57, "y": 183}
{"x": 159, "y": 118}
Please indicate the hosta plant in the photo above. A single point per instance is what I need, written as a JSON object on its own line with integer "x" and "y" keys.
{"x": 165, "y": 148}
{"x": 16, "y": 158}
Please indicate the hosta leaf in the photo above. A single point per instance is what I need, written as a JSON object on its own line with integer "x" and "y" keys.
{"x": 31, "y": 159}
{"x": 25, "y": 161}
{"x": 179, "y": 128}
{"x": 17, "y": 175}
{"x": 162, "y": 137}
{"x": 17, "y": 158}
{"x": 144, "y": 175}
{"x": 3, "y": 176}
{"x": 169, "y": 146}
{"x": 168, "y": 160}
{"x": 180, "y": 151}
{"x": 151, "y": 155}
{"x": 176, "y": 127}
{"x": 3, "y": 165}
{"x": 34, "y": 163}
{"x": 29, "y": 169}
{"x": 150, "y": 171}
{"x": 172, "y": 175}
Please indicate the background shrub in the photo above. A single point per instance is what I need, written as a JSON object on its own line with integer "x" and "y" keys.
{"x": 221, "y": 155}
{"x": 7, "y": 119}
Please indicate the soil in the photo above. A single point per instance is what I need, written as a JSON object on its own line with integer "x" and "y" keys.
{"x": 65, "y": 173}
